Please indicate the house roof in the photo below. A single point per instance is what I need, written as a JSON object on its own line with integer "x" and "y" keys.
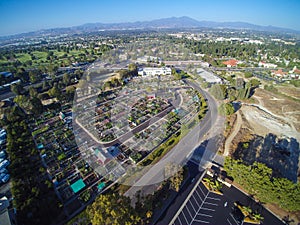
{"x": 297, "y": 71}
{"x": 231, "y": 62}
{"x": 279, "y": 72}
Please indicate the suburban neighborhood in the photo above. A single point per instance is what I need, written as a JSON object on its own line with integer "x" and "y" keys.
{"x": 161, "y": 121}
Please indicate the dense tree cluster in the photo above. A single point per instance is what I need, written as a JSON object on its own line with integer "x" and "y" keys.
{"x": 175, "y": 174}
{"x": 259, "y": 181}
{"x": 237, "y": 90}
{"x": 34, "y": 197}
{"x": 226, "y": 109}
{"x": 112, "y": 209}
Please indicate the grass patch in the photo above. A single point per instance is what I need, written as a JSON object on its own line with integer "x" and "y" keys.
{"x": 40, "y": 55}
{"x": 23, "y": 57}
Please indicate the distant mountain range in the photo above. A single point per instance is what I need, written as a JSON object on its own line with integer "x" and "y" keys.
{"x": 182, "y": 22}
{"x": 172, "y": 22}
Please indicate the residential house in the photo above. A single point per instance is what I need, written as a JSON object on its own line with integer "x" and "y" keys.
{"x": 231, "y": 63}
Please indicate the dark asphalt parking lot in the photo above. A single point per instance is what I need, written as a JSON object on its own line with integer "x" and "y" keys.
{"x": 204, "y": 207}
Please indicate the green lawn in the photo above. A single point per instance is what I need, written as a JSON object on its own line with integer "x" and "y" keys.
{"x": 40, "y": 55}
{"x": 58, "y": 54}
{"x": 23, "y": 57}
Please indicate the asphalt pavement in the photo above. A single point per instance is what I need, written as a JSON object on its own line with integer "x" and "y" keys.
{"x": 205, "y": 207}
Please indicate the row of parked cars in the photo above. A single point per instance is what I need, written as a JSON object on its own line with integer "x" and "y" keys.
{"x": 4, "y": 162}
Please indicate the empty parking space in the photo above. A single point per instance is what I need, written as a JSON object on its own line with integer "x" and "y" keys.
{"x": 200, "y": 207}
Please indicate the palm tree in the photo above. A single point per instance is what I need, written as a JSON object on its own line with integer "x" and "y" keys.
{"x": 257, "y": 217}
{"x": 217, "y": 186}
{"x": 209, "y": 183}
{"x": 247, "y": 210}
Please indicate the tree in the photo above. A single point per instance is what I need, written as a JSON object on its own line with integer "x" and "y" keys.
{"x": 34, "y": 76}
{"x": 23, "y": 102}
{"x": 112, "y": 209}
{"x": 254, "y": 82}
{"x": 17, "y": 89}
{"x": 257, "y": 179}
{"x": 33, "y": 92}
{"x": 248, "y": 74}
{"x": 66, "y": 79}
{"x": 54, "y": 92}
{"x": 226, "y": 109}
{"x": 175, "y": 172}
{"x": 132, "y": 67}
{"x": 36, "y": 106}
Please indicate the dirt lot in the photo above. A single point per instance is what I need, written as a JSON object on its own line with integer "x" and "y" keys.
{"x": 290, "y": 91}
{"x": 282, "y": 110}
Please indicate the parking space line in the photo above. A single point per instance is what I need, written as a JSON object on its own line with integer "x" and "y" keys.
{"x": 189, "y": 212}
{"x": 201, "y": 221}
{"x": 179, "y": 220}
{"x": 200, "y": 208}
{"x": 234, "y": 219}
{"x": 201, "y": 214}
{"x": 202, "y": 190}
{"x": 208, "y": 209}
{"x": 211, "y": 203}
{"x": 198, "y": 195}
{"x": 229, "y": 222}
{"x": 193, "y": 206}
{"x": 196, "y": 201}
{"x": 185, "y": 217}
{"x": 217, "y": 199}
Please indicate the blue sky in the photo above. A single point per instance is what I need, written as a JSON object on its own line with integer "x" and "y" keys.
{"x": 29, "y": 15}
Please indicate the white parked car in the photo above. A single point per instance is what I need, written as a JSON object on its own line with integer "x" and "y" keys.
{"x": 4, "y": 164}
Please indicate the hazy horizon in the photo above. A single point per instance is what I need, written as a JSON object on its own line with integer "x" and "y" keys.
{"x": 30, "y": 15}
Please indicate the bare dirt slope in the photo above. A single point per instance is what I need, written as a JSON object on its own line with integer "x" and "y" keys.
{"x": 271, "y": 128}
{"x": 273, "y": 114}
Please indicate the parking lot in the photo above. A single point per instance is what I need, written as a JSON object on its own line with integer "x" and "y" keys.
{"x": 200, "y": 208}
{"x": 205, "y": 207}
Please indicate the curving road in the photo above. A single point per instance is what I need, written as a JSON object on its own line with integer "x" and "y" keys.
{"x": 181, "y": 153}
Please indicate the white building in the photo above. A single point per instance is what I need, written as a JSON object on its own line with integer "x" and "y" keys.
{"x": 267, "y": 65}
{"x": 209, "y": 76}
{"x": 154, "y": 71}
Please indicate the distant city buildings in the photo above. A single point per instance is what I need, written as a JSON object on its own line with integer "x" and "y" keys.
{"x": 146, "y": 71}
